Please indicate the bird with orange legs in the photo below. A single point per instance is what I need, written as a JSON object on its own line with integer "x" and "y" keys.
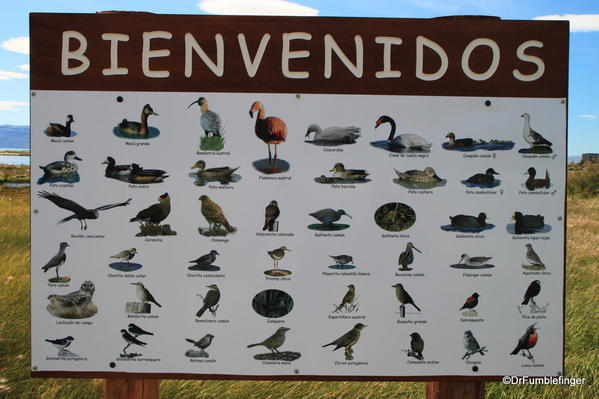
{"x": 527, "y": 342}
{"x": 271, "y": 130}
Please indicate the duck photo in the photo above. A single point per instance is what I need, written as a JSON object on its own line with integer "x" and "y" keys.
{"x": 419, "y": 179}
{"x": 468, "y": 224}
{"x": 222, "y": 174}
{"x": 64, "y": 171}
{"x": 483, "y": 180}
{"x": 341, "y": 175}
{"x": 58, "y": 130}
{"x": 332, "y": 136}
{"x": 137, "y": 130}
{"x": 402, "y": 143}
{"x": 527, "y": 224}
{"x": 469, "y": 144}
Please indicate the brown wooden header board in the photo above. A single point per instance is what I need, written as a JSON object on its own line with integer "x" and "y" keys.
{"x": 447, "y": 56}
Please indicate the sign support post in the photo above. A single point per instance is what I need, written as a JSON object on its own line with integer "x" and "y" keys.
{"x": 131, "y": 388}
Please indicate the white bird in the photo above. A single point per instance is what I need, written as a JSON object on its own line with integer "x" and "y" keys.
{"x": 532, "y": 256}
{"x": 334, "y": 134}
{"x": 412, "y": 141}
{"x": 532, "y": 137}
{"x": 126, "y": 254}
{"x": 210, "y": 121}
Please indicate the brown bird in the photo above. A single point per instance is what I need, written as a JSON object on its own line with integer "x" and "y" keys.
{"x": 214, "y": 214}
{"x": 271, "y": 213}
{"x": 210, "y": 300}
{"x": 155, "y": 213}
{"x": 527, "y": 342}
{"x": 348, "y": 298}
{"x": 58, "y": 130}
{"x": 348, "y": 339}
{"x": 274, "y": 341}
{"x": 271, "y": 130}
{"x": 471, "y": 302}
{"x": 403, "y": 297}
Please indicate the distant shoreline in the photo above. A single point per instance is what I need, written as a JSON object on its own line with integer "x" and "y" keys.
{"x": 23, "y": 153}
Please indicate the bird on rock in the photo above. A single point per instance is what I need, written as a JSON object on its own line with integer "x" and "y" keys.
{"x": 274, "y": 341}
{"x": 155, "y": 213}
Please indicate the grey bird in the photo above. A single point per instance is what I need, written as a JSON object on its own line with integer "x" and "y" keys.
{"x": 274, "y": 341}
{"x": 57, "y": 260}
{"x": 417, "y": 345}
{"x": 62, "y": 168}
{"x": 328, "y": 216}
{"x": 532, "y": 256}
{"x": 210, "y": 120}
{"x": 348, "y": 298}
{"x": 471, "y": 344}
{"x": 277, "y": 255}
{"x": 125, "y": 255}
{"x": 61, "y": 343}
{"x": 348, "y": 339}
{"x": 210, "y": 300}
{"x": 80, "y": 298}
{"x": 206, "y": 260}
{"x": 406, "y": 258}
{"x": 203, "y": 342}
{"x": 79, "y": 212}
{"x": 143, "y": 294}
{"x": 137, "y": 331}
{"x": 342, "y": 259}
{"x": 403, "y": 297}
{"x": 130, "y": 339}
{"x": 532, "y": 137}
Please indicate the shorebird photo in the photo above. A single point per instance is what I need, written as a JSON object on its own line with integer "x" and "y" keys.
{"x": 276, "y": 255}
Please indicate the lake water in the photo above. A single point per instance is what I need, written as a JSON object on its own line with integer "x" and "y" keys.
{"x": 15, "y": 159}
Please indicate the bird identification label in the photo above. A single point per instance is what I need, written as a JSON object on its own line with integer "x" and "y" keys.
{"x": 297, "y": 198}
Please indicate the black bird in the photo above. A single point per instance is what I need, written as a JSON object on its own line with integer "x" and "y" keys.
{"x": 469, "y": 221}
{"x": 417, "y": 345}
{"x": 203, "y": 342}
{"x": 532, "y": 291}
{"x": 155, "y": 213}
{"x": 141, "y": 175}
{"x": 453, "y": 142}
{"x": 471, "y": 302}
{"x": 210, "y": 300}
{"x": 57, "y": 260}
{"x": 526, "y": 224}
{"x": 271, "y": 213}
{"x": 61, "y": 343}
{"x": 137, "y": 331}
{"x": 532, "y": 183}
{"x": 527, "y": 341}
{"x": 79, "y": 212}
{"x": 58, "y": 130}
{"x": 486, "y": 178}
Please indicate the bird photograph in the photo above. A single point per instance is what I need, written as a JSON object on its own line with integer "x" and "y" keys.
{"x": 327, "y": 218}
{"x": 348, "y": 175}
{"x": 483, "y": 180}
{"x": 471, "y": 345}
{"x": 59, "y": 130}
{"x": 538, "y": 144}
{"x": 272, "y": 131}
{"x": 222, "y": 174}
{"x": 348, "y": 303}
{"x": 342, "y": 262}
{"x": 78, "y": 212}
{"x": 210, "y": 301}
{"x": 395, "y": 216}
{"x": 137, "y": 331}
{"x": 406, "y": 258}
{"x": 532, "y": 183}
{"x": 218, "y": 225}
{"x": 137, "y": 130}
{"x": 146, "y": 298}
{"x": 56, "y": 262}
{"x": 205, "y": 262}
{"x": 347, "y": 341}
{"x": 534, "y": 289}
{"x": 469, "y": 144}
{"x": 332, "y": 136}
{"x": 533, "y": 259}
{"x": 272, "y": 303}
{"x": 64, "y": 171}
{"x": 404, "y": 299}
{"x": 123, "y": 262}
{"x": 75, "y": 305}
{"x": 469, "y": 305}
{"x": 212, "y": 125}
{"x": 150, "y": 218}
{"x": 468, "y": 223}
{"x": 201, "y": 344}
{"x": 276, "y": 255}
{"x": 473, "y": 262}
{"x": 273, "y": 343}
{"x": 419, "y": 179}
{"x": 114, "y": 171}
{"x": 416, "y": 346}
{"x": 271, "y": 214}
{"x": 139, "y": 175}
{"x": 527, "y": 342}
{"x": 62, "y": 344}
{"x": 527, "y": 224}
{"x": 130, "y": 339}
{"x": 402, "y": 143}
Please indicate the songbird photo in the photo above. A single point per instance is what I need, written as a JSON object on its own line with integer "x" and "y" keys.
{"x": 347, "y": 341}
{"x": 212, "y": 125}
{"x": 471, "y": 345}
{"x": 78, "y": 212}
{"x": 62, "y": 344}
{"x": 64, "y": 171}
{"x": 404, "y": 299}
{"x": 533, "y": 259}
{"x": 416, "y": 346}
{"x": 75, "y": 305}
{"x": 538, "y": 144}
{"x": 332, "y": 136}
{"x": 276, "y": 255}
{"x": 342, "y": 262}
{"x": 527, "y": 342}
{"x": 130, "y": 339}
{"x": 210, "y": 301}
{"x": 349, "y": 302}
{"x": 273, "y": 343}
{"x": 218, "y": 225}
{"x": 205, "y": 262}
{"x": 56, "y": 262}
{"x": 150, "y": 218}
{"x": 222, "y": 174}
{"x": 271, "y": 214}
{"x": 123, "y": 263}
{"x": 401, "y": 143}
{"x": 200, "y": 344}
{"x": 56, "y": 129}
{"x": 127, "y": 129}
{"x": 327, "y": 218}
{"x": 528, "y": 301}
{"x": 271, "y": 130}
{"x": 469, "y": 305}
{"x": 146, "y": 298}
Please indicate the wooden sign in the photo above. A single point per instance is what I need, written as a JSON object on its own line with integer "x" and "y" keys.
{"x": 297, "y": 198}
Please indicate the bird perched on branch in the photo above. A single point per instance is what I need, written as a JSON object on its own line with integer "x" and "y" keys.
{"x": 210, "y": 300}
{"x": 417, "y": 345}
{"x": 210, "y": 120}
{"x": 79, "y": 212}
{"x": 274, "y": 341}
{"x": 271, "y": 130}
{"x": 271, "y": 213}
{"x": 57, "y": 260}
{"x": 348, "y": 298}
{"x": 471, "y": 345}
{"x": 214, "y": 214}
{"x": 348, "y": 339}
{"x": 155, "y": 213}
{"x": 143, "y": 294}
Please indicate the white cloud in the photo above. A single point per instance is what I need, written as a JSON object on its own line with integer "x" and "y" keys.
{"x": 6, "y": 75}
{"x": 11, "y": 105}
{"x": 255, "y": 7}
{"x": 24, "y": 67}
{"x": 578, "y": 22}
{"x": 588, "y": 117}
{"x": 17, "y": 44}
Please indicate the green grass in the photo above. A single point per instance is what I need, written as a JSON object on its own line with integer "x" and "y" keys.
{"x": 212, "y": 143}
{"x": 582, "y": 329}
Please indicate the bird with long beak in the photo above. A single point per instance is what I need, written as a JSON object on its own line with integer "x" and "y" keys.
{"x": 210, "y": 121}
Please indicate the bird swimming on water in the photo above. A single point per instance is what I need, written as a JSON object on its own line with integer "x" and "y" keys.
{"x": 62, "y": 168}
{"x": 138, "y": 128}
{"x": 348, "y": 174}
{"x": 223, "y": 172}
{"x": 428, "y": 175}
{"x": 210, "y": 120}
{"x": 145, "y": 176}
{"x": 58, "y": 130}
{"x": 468, "y": 220}
{"x": 328, "y": 216}
{"x": 155, "y": 213}
{"x": 527, "y": 224}
{"x": 114, "y": 170}
{"x": 408, "y": 141}
{"x": 457, "y": 143}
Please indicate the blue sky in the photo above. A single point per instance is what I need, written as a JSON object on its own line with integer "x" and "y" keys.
{"x": 584, "y": 39}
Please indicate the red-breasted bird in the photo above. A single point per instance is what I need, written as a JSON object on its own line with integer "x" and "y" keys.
{"x": 527, "y": 341}
{"x": 471, "y": 302}
{"x": 532, "y": 291}
{"x": 271, "y": 130}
